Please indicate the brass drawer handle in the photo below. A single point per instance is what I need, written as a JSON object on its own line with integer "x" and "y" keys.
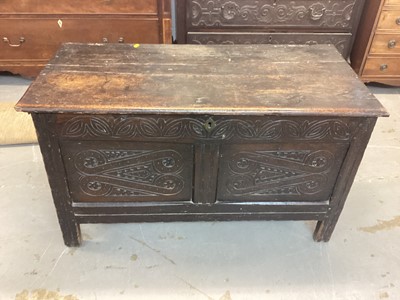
{"x": 120, "y": 40}
{"x": 392, "y": 44}
{"x": 7, "y": 41}
{"x": 383, "y": 67}
{"x": 398, "y": 21}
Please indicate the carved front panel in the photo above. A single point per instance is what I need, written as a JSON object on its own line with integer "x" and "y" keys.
{"x": 110, "y": 171}
{"x": 297, "y": 172}
{"x": 341, "y": 41}
{"x": 304, "y": 13}
{"x": 192, "y": 128}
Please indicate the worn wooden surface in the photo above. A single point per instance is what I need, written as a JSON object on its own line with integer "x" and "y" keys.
{"x": 189, "y": 133}
{"x": 255, "y": 79}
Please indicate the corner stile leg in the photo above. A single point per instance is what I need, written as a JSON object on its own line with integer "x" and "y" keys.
{"x": 49, "y": 146}
{"x": 71, "y": 232}
{"x": 324, "y": 228}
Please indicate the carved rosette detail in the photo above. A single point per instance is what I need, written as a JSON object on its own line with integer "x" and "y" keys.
{"x": 230, "y": 13}
{"x": 225, "y": 128}
{"x": 129, "y": 173}
{"x": 278, "y": 173}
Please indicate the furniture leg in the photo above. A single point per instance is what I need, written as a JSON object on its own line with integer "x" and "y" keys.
{"x": 50, "y": 149}
{"x": 71, "y": 232}
{"x": 324, "y": 229}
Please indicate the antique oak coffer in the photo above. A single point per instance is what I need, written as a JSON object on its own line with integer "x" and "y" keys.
{"x": 191, "y": 132}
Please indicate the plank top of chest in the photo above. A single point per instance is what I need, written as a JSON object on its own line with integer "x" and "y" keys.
{"x": 197, "y": 79}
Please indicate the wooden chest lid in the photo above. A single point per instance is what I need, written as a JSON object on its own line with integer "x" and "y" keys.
{"x": 199, "y": 79}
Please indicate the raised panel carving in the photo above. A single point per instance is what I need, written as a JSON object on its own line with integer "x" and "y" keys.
{"x": 319, "y": 13}
{"x": 146, "y": 173}
{"x": 269, "y": 175}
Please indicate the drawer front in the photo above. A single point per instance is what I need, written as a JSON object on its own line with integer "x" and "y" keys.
{"x": 276, "y": 13}
{"x": 340, "y": 40}
{"x": 77, "y": 6}
{"x": 389, "y": 19}
{"x": 42, "y": 37}
{"x": 386, "y": 44}
{"x": 127, "y": 172}
{"x": 279, "y": 172}
{"x": 385, "y": 66}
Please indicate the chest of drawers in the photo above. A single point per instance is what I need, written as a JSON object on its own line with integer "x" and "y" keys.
{"x": 376, "y": 55}
{"x": 32, "y": 31}
{"x": 197, "y": 133}
{"x": 269, "y": 22}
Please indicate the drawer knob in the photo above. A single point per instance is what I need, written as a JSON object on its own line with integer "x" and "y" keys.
{"x": 383, "y": 67}
{"x": 121, "y": 40}
{"x": 209, "y": 124}
{"x": 7, "y": 41}
{"x": 392, "y": 44}
{"x": 398, "y": 21}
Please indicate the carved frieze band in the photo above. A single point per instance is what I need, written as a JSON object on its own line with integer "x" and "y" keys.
{"x": 127, "y": 127}
{"x": 278, "y": 172}
{"x": 341, "y": 42}
{"x": 129, "y": 173}
{"x": 323, "y": 13}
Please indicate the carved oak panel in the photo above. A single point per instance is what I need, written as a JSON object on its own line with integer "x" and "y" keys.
{"x": 192, "y": 128}
{"x": 110, "y": 171}
{"x": 300, "y": 13}
{"x": 298, "y": 172}
{"x": 340, "y": 40}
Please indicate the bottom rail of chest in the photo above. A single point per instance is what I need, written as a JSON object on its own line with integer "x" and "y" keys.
{"x": 88, "y": 213}
{"x": 133, "y": 212}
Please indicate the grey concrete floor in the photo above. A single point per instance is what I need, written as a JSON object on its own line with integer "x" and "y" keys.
{"x": 205, "y": 260}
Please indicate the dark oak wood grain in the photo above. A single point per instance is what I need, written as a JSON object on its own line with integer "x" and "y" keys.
{"x": 293, "y": 80}
{"x": 200, "y": 133}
